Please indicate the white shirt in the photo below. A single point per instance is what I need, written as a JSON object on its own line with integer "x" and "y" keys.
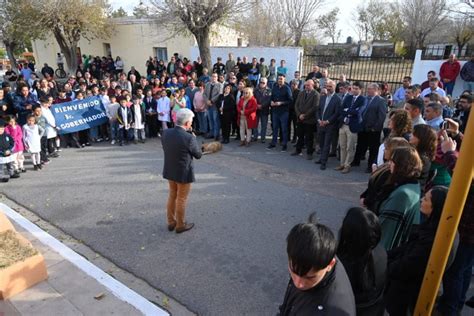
{"x": 50, "y": 123}
{"x": 164, "y": 106}
{"x": 438, "y": 90}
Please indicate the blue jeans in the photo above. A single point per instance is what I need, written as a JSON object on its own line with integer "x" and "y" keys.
{"x": 113, "y": 129}
{"x": 202, "y": 119}
{"x": 263, "y": 119}
{"x": 449, "y": 87}
{"x": 280, "y": 120}
{"x": 469, "y": 85}
{"x": 214, "y": 122}
{"x": 456, "y": 280}
{"x": 94, "y": 133}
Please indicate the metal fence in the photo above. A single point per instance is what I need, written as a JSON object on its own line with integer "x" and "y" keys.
{"x": 442, "y": 51}
{"x": 365, "y": 69}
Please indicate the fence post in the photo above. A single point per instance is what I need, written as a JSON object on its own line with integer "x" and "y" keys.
{"x": 350, "y": 70}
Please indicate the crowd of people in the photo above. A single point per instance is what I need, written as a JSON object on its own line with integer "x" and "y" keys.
{"x": 409, "y": 141}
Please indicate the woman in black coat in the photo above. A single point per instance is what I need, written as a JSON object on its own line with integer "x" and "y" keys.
{"x": 227, "y": 109}
{"x": 364, "y": 259}
{"x": 407, "y": 263}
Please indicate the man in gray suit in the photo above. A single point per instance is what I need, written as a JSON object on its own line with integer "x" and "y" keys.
{"x": 327, "y": 116}
{"x": 211, "y": 94}
{"x": 373, "y": 117}
{"x": 306, "y": 107}
{"x": 180, "y": 147}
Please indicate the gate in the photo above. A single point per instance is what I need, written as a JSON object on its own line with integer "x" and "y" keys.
{"x": 364, "y": 69}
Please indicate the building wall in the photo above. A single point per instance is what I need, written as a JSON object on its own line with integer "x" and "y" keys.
{"x": 133, "y": 40}
{"x": 421, "y": 68}
{"x": 292, "y": 55}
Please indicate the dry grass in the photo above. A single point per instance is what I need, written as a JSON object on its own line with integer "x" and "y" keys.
{"x": 12, "y": 251}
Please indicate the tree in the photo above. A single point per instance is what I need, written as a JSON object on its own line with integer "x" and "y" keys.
{"x": 462, "y": 31}
{"x": 140, "y": 11}
{"x": 15, "y": 34}
{"x": 62, "y": 19}
{"x": 196, "y": 17}
{"x": 378, "y": 20}
{"x": 299, "y": 16}
{"x": 422, "y": 18}
{"x": 119, "y": 13}
{"x": 263, "y": 25}
{"x": 328, "y": 24}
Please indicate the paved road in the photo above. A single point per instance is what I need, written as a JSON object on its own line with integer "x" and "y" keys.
{"x": 244, "y": 203}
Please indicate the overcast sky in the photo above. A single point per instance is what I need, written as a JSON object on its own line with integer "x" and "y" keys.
{"x": 345, "y": 16}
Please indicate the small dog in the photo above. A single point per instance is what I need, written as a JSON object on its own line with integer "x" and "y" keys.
{"x": 211, "y": 148}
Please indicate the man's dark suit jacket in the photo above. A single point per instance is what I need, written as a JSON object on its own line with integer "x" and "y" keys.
{"x": 180, "y": 148}
{"x": 352, "y": 111}
{"x": 332, "y": 112}
{"x": 374, "y": 114}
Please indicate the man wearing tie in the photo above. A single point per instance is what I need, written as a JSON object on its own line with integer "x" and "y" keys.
{"x": 350, "y": 125}
{"x": 306, "y": 107}
{"x": 327, "y": 116}
{"x": 373, "y": 116}
{"x": 151, "y": 113}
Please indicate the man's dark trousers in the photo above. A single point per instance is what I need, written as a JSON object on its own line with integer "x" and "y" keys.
{"x": 305, "y": 136}
{"x": 367, "y": 140}
{"x": 326, "y": 135}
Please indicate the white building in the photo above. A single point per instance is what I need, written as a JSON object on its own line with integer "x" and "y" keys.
{"x": 135, "y": 40}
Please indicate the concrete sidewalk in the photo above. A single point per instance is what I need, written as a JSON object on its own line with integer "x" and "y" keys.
{"x": 69, "y": 290}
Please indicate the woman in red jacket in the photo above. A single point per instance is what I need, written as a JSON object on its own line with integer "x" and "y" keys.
{"x": 247, "y": 116}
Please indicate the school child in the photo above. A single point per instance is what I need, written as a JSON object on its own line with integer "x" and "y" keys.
{"x": 111, "y": 111}
{"x": 125, "y": 121}
{"x": 51, "y": 129}
{"x": 138, "y": 113}
{"x": 14, "y": 130}
{"x": 163, "y": 109}
{"x": 32, "y": 134}
{"x": 178, "y": 102}
{"x": 41, "y": 122}
{"x": 6, "y": 159}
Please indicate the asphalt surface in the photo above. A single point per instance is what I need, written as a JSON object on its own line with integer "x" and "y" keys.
{"x": 244, "y": 203}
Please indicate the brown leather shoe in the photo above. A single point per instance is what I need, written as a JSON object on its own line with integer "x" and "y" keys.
{"x": 346, "y": 170}
{"x": 339, "y": 168}
{"x": 186, "y": 227}
{"x": 171, "y": 227}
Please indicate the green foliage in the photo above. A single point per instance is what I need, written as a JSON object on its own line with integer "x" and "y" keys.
{"x": 119, "y": 13}
{"x": 328, "y": 24}
{"x": 140, "y": 12}
{"x": 379, "y": 20}
{"x": 3, "y": 53}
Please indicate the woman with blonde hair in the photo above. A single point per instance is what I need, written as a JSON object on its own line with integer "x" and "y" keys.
{"x": 246, "y": 116}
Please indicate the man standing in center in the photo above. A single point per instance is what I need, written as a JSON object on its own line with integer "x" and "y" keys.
{"x": 306, "y": 106}
{"x": 328, "y": 119}
{"x": 350, "y": 125}
{"x": 211, "y": 94}
{"x": 180, "y": 147}
{"x": 280, "y": 101}
{"x": 373, "y": 117}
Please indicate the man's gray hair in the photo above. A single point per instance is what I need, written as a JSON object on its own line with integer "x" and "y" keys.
{"x": 183, "y": 116}
{"x": 374, "y": 85}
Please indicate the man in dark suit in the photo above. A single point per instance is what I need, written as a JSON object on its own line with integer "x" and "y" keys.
{"x": 328, "y": 118}
{"x": 350, "y": 125}
{"x": 306, "y": 106}
{"x": 373, "y": 116}
{"x": 151, "y": 113}
{"x": 180, "y": 147}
